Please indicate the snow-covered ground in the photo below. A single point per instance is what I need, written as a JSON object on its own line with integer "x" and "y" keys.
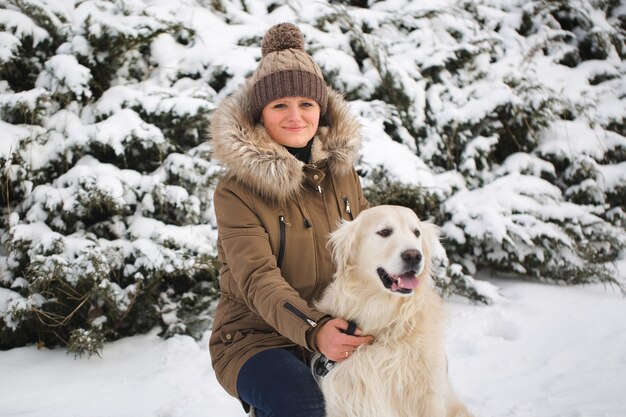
{"x": 539, "y": 351}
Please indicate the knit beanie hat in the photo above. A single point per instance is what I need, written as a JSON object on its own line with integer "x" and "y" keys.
{"x": 286, "y": 70}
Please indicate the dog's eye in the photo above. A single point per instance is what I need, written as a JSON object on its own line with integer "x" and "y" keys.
{"x": 385, "y": 232}
{"x": 417, "y": 233}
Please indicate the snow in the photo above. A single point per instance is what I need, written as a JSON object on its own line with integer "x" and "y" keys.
{"x": 538, "y": 351}
{"x": 13, "y": 135}
{"x": 123, "y": 125}
{"x": 22, "y": 26}
{"x": 543, "y": 351}
{"x": 612, "y": 176}
{"x": 63, "y": 74}
{"x": 379, "y": 150}
{"x": 154, "y": 99}
{"x": 493, "y": 209}
{"x": 9, "y": 45}
{"x": 575, "y": 138}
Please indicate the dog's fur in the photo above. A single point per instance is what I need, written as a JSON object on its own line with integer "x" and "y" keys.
{"x": 404, "y": 372}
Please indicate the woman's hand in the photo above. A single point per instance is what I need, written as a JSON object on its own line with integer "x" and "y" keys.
{"x": 331, "y": 340}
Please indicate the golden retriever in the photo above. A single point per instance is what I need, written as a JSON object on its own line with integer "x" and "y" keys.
{"x": 383, "y": 284}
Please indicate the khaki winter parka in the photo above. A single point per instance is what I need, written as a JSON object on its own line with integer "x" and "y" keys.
{"x": 274, "y": 216}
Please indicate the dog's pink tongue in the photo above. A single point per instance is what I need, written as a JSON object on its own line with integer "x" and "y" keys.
{"x": 408, "y": 280}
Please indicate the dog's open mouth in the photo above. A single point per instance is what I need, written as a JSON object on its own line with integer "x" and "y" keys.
{"x": 403, "y": 284}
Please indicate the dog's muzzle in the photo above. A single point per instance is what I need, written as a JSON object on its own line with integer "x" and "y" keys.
{"x": 404, "y": 283}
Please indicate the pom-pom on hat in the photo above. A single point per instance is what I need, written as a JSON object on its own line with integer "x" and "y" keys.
{"x": 286, "y": 70}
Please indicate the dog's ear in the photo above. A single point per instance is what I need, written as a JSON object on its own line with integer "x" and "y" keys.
{"x": 342, "y": 242}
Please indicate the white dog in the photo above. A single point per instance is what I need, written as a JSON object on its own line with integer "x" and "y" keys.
{"x": 383, "y": 284}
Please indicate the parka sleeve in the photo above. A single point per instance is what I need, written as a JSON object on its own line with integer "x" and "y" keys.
{"x": 248, "y": 253}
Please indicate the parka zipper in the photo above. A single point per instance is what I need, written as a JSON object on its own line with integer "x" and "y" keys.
{"x": 348, "y": 209}
{"x": 282, "y": 241}
{"x": 300, "y": 314}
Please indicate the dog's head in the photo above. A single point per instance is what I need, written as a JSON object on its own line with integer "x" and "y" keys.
{"x": 388, "y": 245}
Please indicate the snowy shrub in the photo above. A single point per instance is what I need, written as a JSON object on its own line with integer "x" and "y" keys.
{"x": 180, "y": 117}
{"x": 91, "y": 270}
{"x": 589, "y": 165}
{"x": 452, "y": 278}
{"x": 87, "y": 342}
{"x": 91, "y": 249}
{"x": 520, "y": 224}
{"x": 74, "y": 286}
{"x": 190, "y": 171}
{"x": 9, "y": 46}
{"x": 27, "y": 107}
{"x": 29, "y": 45}
{"x": 172, "y": 204}
{"x": 126, "y": 140}
{"x": 581, "y": 176}
{"x": 612, "y": 181}
{"x": 14, "y": 183}
{"x": 115, "y": 37}
{"x": 501, "y": 121}
{"x": 424, "y": 202}
{"x": 65, "y": 78}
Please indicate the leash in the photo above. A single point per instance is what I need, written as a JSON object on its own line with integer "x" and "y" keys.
{"x": 321, "y": 365}
{"x": 351, "y": 328}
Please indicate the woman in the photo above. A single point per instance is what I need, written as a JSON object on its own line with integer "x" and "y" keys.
{"x": 289, "y": 182}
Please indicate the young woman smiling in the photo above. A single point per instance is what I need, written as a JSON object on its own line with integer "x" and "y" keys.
{"x": 288, "y": 144}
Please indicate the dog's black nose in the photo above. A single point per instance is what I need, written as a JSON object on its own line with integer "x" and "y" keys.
{"x": 411, "y": 256}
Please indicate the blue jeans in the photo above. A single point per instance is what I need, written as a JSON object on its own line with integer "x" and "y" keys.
{"x": 278, "y": 384}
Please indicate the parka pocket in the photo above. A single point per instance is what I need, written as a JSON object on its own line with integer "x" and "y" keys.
{"x": 229, "y": 335}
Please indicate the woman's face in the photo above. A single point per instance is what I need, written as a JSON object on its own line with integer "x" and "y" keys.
{"x": 291, "y": 121}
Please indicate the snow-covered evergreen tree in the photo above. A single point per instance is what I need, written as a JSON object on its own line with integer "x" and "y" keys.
{"x": 108, "y": 226}
{"x": 504, "y": 121}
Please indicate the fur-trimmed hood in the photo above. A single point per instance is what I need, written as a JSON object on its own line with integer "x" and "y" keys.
{"x": 257, "y": 162}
